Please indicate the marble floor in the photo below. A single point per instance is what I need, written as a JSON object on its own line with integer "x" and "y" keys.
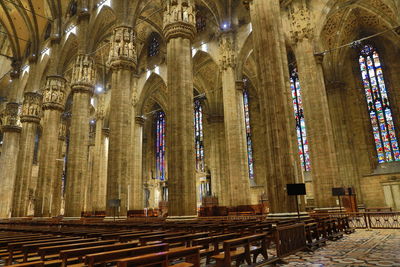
{"x": 362, "y": 248}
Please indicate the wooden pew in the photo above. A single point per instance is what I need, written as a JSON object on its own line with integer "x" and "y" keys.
{"x": 34, "y": 247}
{"x": 210, "y": 246}
{"x": 130, "y": 237}
{"x": 29, "y": 264}
{"x": 150, "y": 260}
{"x": 158, "y": 237}
{"x": 112, "y": 256}
{"x": 240, "y": 250}
{"x": 184, "y": 240}
{"x": 48, "y": 252}
{"x": 191, "y": 256}
{"x": 21, "y": 246}
{"x": 66, "y": 255}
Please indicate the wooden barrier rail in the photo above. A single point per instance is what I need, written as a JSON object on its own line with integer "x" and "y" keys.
{"x": 370, "y": 220}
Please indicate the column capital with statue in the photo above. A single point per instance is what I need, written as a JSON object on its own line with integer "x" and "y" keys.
{"x": 179, "y": 19}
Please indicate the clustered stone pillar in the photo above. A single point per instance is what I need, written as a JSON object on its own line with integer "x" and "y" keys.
{"x": 218, "y": 159}
{"x": 82, "y": 84}
{"x": 179, "y": 32}
{"x": 137, "y": 190}
{"x": 324, "y": 169}
{"x": 122, "y": 59}
{"x": 47, "y": 194}
{"x": 30, "y": 119}
{"x": 8, "y": 160}
{"x": 99, "y": 175}
{"x": 238, "y": 174}
{"x": 272, "y": 71}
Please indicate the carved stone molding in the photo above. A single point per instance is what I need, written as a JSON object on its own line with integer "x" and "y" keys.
{"x": 301, "y": 24}
{"x": 11, "y": 119}
{"x": 83, "y": 74}
{"x": 239, "y": 85}
{"x": 140, "y": 120}
{"x": 54, "y": 93}
{"x": 179, "y": 19}
{"x": 32, "y": 107}
{"x": 319, "y": 58}
{"x": 227, "y": 52}
{"x": 123, "y": 48}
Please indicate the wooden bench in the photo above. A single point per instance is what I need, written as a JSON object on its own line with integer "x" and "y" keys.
{"x": 184, "y": 240}
{"x": 66, "y": 255}
{"x": 210, "y": 246}
{"x": 241, "y": 249}
{"x": 25, "y": 245}
{"x": 112, "y": 256}
{"x": 191, "y": 256}
{"x": 130, "y": 237}
{"x": 49, "y": 252}
{"x": 150, "y": 260}
{"x": 34, "y": 247}
{"x": 29, "y": 264}
{"x": 158, "y": 237}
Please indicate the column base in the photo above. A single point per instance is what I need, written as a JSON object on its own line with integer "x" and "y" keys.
{"x": 181, "y": 218}
{"x": 288, "y": 216}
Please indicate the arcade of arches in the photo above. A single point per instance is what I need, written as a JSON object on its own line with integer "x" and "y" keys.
{"x": 168, "y": 103}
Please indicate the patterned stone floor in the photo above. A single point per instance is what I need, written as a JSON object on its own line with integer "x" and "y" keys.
{"x": 362, "y": 248}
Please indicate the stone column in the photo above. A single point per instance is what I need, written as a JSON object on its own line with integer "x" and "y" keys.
{"x": 272, "y": 70}
{"x": 46, "y": 191}
{"x": 8, "y": 160}
{"x": 122, "y": 60}
{"x": 57, "y": 187}
{"x": 324, "y": 169}
{"x": 179, "y": 31}
{"x": 237, "y": 168}
{"x": 99, "y": 175}
{"x": 82, "y": 84}
{"x": 88, "y": 207}
{"x": 219, "y": 182}
{"x": 30, "y": 119}
{"x": 337, "y": 94}
{"x": 136, "y": 195}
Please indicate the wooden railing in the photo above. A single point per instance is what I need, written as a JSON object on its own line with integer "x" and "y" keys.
{"x": 371, "y": 220}
{"x": 290, "y": 239}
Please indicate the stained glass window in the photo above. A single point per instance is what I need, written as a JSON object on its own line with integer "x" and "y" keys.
{"x": 248, "y": 128}
{"x": 300, "y": 122}
{"x": 379, "y": 109}
{"x": 198, "y": 136}
{"x": 154, "y": 45}
{"x": 201, "y": 22}
{"x": 160, "y": 145}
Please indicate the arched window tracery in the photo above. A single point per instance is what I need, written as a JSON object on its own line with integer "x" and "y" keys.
{"x": 300, "y": 121}
{"x": 379, "y": 108}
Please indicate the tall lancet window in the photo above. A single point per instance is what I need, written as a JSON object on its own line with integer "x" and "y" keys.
{"x": 160, "y": 145}
{"x": 248, "y": 128}
{"x": 300, "y": 122}
{"x": 379, "y": 108}
{"x": 154, "y": 45}
{"x": 198, "y": 135}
